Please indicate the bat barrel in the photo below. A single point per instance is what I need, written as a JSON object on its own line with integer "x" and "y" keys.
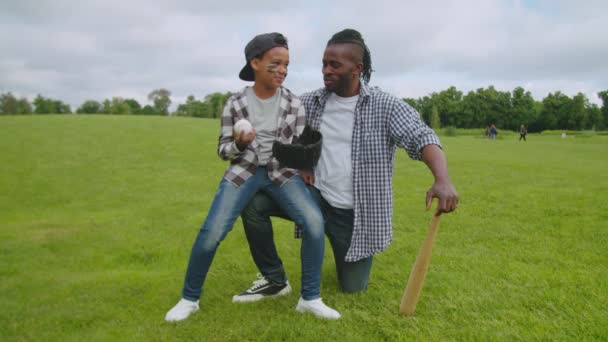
{"x": 414, "y": 284}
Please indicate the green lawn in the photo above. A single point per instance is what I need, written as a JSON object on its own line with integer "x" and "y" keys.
{"x": 98, "y": 214}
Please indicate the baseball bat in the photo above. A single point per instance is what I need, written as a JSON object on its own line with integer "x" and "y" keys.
{"x": 414, "y": 284}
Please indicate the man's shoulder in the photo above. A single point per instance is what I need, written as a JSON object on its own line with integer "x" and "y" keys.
{"x": 312, "y": 94}
{"x": 377, "y": 93}
{"x": 382, "y": 98}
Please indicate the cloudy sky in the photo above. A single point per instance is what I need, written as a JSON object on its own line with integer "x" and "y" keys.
{"x": 93, "y": 49}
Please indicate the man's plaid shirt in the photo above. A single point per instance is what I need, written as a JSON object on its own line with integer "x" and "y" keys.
{"x": 382, "y": 123}
{"x": 243, "y": 164}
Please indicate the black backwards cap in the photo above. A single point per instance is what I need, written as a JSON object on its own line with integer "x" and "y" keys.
{"x": 256, "y": 47}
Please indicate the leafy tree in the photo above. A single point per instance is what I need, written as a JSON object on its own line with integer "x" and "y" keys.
{"x": 49, "y": 106}
{"x": 594, "y": 113}
{"x": 89, "y": 107}
{"x": 425, "y": 105}
{"x": 523, "y": 111}
{"x": 193, "y": 107}
{"x": 8, "y": 104}
{"x": 134, "y": 106}
{"x": 555, "y": 112}
{"x": 604, "y": 97}
{"x": 106, "y": 107}
{"x": 577, "y": 114}
{"x": 435, "y": 119}
{"x": 119, "y": 106}
{"x": 23, "y": 106}
{"x": 216, "y": 102}
{"x": 476, "y": 107}
{"x": 148, "y": 110}
{"x": 161, "y": 99}
{"x": 62, "y": 108}
{"x": 449, "y": 106}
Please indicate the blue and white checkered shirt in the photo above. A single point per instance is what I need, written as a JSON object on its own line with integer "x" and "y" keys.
{"x": 382, "y": 123}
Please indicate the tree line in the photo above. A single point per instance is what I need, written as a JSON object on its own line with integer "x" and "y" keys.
{"x": 210, "y": 106}
{"x": 509, "y": 110}
{"x": 447, "y": 108}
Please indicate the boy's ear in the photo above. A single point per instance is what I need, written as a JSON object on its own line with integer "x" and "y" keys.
{"x": 255, "y": 64}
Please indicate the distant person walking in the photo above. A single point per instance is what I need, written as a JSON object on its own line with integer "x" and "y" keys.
{"x": 522, "y": 132}
{"x": 493, "y": 132}
{"x": 487, "y": 131}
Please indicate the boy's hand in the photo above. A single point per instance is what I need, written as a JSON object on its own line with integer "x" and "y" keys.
{"x": 243, "y": 139}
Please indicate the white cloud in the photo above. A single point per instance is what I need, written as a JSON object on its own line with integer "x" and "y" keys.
{"x": 98, "y": 49}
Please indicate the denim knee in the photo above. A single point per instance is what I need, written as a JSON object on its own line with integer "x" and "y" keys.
{"x": 315, "y": 225}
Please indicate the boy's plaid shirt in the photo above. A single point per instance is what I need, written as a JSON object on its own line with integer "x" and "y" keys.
{"x": 243, "y": 164}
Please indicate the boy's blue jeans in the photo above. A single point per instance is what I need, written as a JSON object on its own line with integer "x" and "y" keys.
{"x": 294, "y": 199}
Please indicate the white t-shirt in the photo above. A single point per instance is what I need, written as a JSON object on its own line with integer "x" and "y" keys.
{"x": 264, "y": 116}
{"x": 333, "y": 174}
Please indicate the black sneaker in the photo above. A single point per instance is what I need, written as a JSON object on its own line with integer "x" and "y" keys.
{"x": 262, "y": 289}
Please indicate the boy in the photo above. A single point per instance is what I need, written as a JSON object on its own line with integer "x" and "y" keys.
{"x": 276, "y": 115}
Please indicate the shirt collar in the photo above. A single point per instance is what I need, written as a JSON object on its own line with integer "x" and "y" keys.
{"x": 323, "y": 94}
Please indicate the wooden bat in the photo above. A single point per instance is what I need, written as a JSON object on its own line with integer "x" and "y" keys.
{"x": 414, "y": 284}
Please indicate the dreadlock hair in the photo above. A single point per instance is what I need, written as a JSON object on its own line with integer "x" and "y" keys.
{"x": 354, "y": 37}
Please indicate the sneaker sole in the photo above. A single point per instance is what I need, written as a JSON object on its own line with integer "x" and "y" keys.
{"x": 258, "y": 297}
{"x": 302, "y": 310}
{"x": 180, "y": 319}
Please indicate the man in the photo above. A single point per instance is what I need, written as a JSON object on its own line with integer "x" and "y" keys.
{"x": 276, "y": 115}
{"x": 493, "y": 132}
{"x": 522, "y": 132}
{"x": 352, "y": 182}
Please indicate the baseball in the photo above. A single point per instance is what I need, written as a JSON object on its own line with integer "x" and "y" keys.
{"x": 243, "y": 126}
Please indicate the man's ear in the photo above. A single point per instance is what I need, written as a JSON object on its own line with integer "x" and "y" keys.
{"x": 358, "y": 69}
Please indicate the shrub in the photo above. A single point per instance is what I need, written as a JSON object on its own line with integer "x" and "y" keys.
{"x": 450, "y": 131}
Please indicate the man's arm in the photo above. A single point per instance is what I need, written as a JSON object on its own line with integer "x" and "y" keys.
{"x": 409, "y": 132}
{"x": 442, "y": 188}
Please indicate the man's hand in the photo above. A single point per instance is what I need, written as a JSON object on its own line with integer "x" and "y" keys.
{"x": 442, "y": 189}
{"x": 243, "y": 139}
{"x": 308, "y": 176}
{"x": 447, "y": 195}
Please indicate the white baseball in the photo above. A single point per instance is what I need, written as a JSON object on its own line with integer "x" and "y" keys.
{"x": 243, "y": 126}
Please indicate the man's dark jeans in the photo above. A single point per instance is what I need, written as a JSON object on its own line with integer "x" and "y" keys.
{"x": 352, "y": 276}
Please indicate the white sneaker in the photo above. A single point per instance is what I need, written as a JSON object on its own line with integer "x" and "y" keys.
{"x": 181, "y": 310}
{"x": 317, "y": 308}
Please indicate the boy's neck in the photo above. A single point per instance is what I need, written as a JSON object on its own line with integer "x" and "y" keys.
{"x": 263, "y": 92}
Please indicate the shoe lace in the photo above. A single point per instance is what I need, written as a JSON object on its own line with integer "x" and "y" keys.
{"x": 260, "y": 282}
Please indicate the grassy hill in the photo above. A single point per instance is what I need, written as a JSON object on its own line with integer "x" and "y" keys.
{"x": 98, "y": 214}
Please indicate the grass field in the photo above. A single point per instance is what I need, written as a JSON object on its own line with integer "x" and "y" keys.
{"x": 98, "y": 214}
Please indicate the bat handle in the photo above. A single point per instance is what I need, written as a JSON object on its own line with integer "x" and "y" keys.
{"x": 414, "y": 284}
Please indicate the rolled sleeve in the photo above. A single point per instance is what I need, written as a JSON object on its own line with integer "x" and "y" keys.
{"x": 227, "y": 149}
{"x": 409, "y": 132}
{"x": 425, "y": 140}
